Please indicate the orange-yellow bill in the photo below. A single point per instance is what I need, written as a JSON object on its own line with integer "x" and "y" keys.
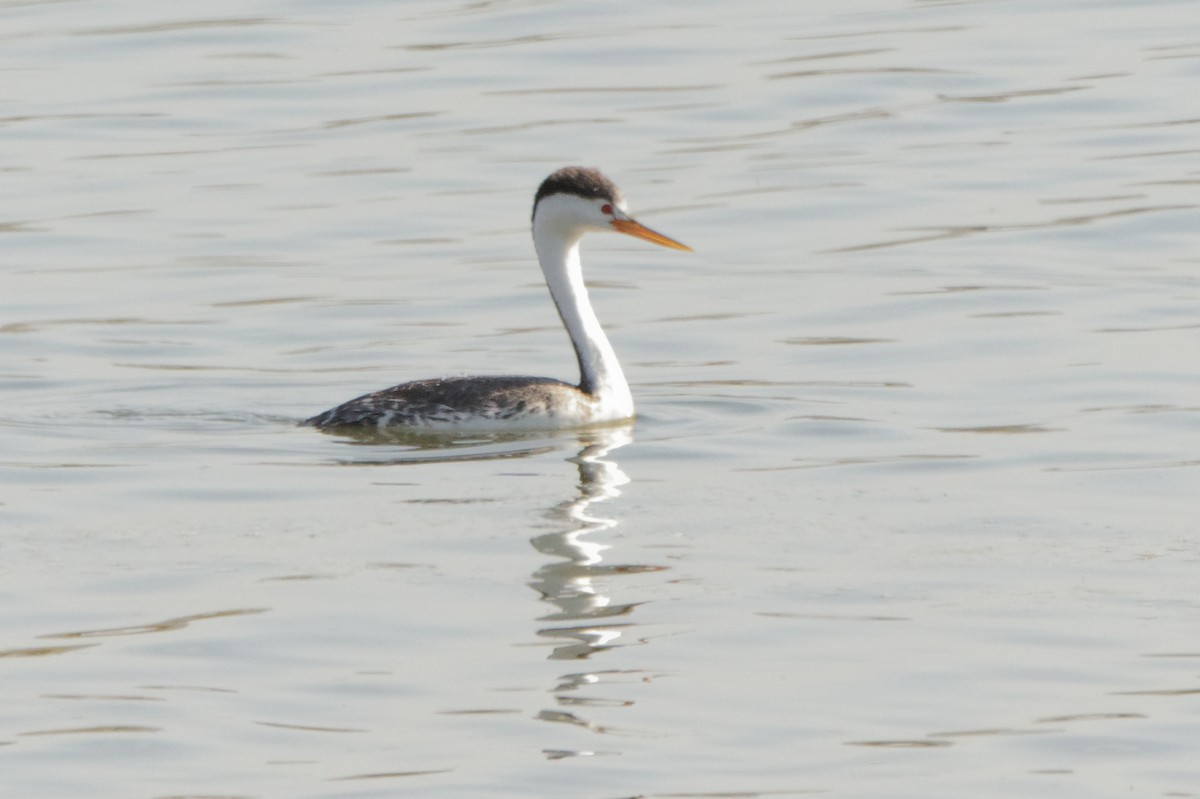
{"x": 634, "y": 228}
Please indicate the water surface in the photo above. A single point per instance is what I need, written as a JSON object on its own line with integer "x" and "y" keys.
{"x": 910, "y": 505}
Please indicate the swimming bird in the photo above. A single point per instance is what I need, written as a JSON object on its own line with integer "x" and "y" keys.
{"x": 569, "y": 203}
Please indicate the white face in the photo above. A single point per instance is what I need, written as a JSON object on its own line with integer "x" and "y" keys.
{"x": 568, "y": 211}
{"x": 569, "y": 216}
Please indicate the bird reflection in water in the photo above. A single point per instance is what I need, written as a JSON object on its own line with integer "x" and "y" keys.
{"x": 579, "y": 578}
{"x": 587, "y": 620}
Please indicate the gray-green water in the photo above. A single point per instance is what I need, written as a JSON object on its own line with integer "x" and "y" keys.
{"x": 911, "y": 506}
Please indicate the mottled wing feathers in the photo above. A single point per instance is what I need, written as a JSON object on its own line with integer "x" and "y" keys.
{"x": 454, "y": 400}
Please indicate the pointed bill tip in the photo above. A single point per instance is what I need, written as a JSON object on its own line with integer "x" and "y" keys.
{"x": 631, "y": 227}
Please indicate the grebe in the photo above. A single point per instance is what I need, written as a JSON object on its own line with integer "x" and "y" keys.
{"x": 570, "y": 202}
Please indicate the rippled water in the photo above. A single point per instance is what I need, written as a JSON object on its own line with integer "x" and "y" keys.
{"x": 910, "y": 508}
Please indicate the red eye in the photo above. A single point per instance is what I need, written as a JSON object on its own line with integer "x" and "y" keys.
{"x": 606, "y": 209}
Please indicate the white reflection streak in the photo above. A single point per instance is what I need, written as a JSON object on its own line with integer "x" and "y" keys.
{"x": 569, "y": 583}
{"x": 573, "y": 583}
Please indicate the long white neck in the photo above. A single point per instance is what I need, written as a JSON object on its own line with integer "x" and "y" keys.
{"x": 600, "y": 373}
